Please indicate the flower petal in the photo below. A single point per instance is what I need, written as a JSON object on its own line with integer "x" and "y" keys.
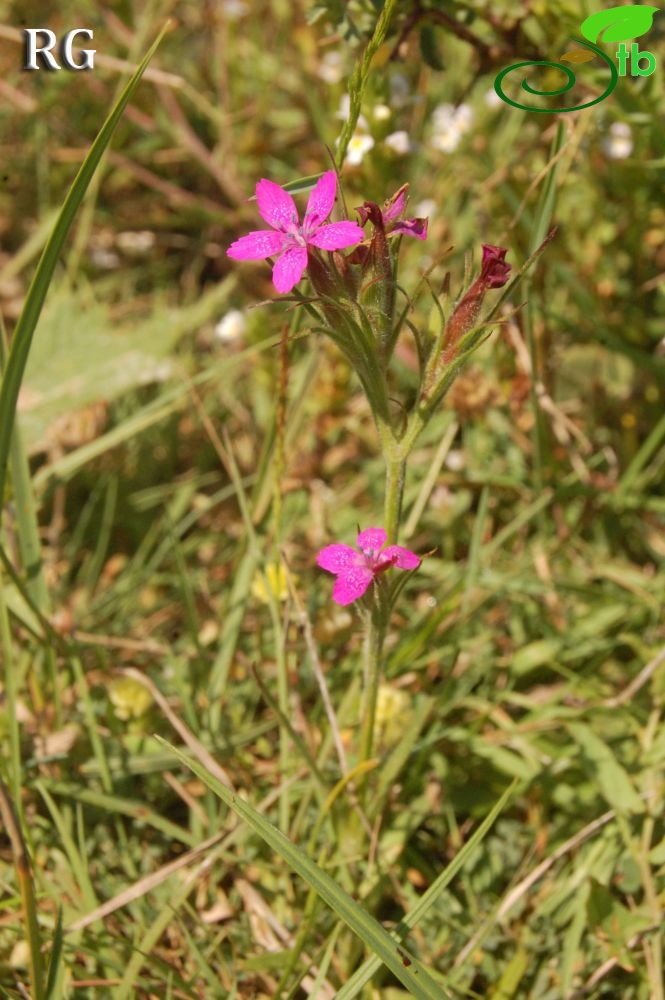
{"x": 257, "y": 245}
{"x": 394, "y": 206}
{"x": 351, "y": 584}
{"x": 276, "y": 205}
{"x": 401, "y": 557}
{"x": 336, "y": 558}
{"x": 411, "y": 227}
{"x": 371, "y": 539}
{"x": 321, "y": 201}
{"x": 288, "y": 269}
{"x": 336, "y": 236}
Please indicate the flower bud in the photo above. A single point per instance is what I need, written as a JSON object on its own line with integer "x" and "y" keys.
{"x": 494, "y": 273}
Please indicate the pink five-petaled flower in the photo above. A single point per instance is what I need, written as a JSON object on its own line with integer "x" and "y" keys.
{"x": 356, "y": 570}
{"x": 288, "y": 239}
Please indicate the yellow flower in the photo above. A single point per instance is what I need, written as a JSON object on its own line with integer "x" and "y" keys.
{"x": 392, "y": 708}
{"x": 130, "y": 699}
{"x": 275, "y": 576}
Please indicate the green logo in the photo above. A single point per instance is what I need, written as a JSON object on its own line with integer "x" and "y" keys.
{"x": 615, "y": 25}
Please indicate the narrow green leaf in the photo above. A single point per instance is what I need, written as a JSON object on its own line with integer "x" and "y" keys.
{"x": 53, "y": 984}
{"x": 413, "y": 976}
{"x": 512, "y": 976}
{"x": 25, "y": 328}
{"x": 644, "y": 455}
{"x": 572, "y": 940}
{"x": 136, "y": 810}
{"x": 302, "y": 184}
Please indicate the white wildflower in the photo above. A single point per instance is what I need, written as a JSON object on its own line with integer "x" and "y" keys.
{"x": 464, "y": 117}
{"x": 135, "y": 242}
{"x": 231, "y": 327}
{"x": 492, "y": 99}
{"x": 381, "y": 113}
{"x": 455, "y": 460}
{"x": 331, "y": 67}
{"x": 619, "y": 143}
{"x": 104, "y": 259}
{"x": 359, "y": 144}
{"x": 399, "y": 142}
{"x": 449, "y": 125}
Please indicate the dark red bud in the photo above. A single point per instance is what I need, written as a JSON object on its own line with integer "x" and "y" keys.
{"x": 494, "y": 272}
{"x": 369, "y": 210}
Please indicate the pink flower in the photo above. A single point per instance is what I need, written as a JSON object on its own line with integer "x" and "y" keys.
{"x": 356, "y": 570}
{"x": 288, "y": 239}
{"x": 390, "y": 213}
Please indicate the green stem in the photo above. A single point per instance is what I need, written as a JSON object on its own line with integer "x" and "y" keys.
{"x": 359, "y": 77}
{"x": 376, "y": 630}
{"x": 395, "y": 453}
{"x": 379, "y": 616}
{"x": 392, "y": 510}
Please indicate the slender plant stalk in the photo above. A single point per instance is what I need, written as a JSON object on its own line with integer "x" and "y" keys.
{"x": 543, "y": 223}
{"x": 374, "y": 638}
{"x": 395, "y": 456}
{"x": 11, "y": 694}
{"x": 359, "y": 78}
{"x": 26, "y": 889}
{"x": 655, "y": 942}
{"x": 395, "y": 474}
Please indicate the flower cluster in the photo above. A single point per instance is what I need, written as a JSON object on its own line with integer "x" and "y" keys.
{"x": 288, "y": 240}
{"x": 357, "y": 292}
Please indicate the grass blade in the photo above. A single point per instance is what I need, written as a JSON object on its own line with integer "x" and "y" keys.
{"x": 427, "y": 900}
{"x": 53, "y": 982}
{"x": 414, "y": 976}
